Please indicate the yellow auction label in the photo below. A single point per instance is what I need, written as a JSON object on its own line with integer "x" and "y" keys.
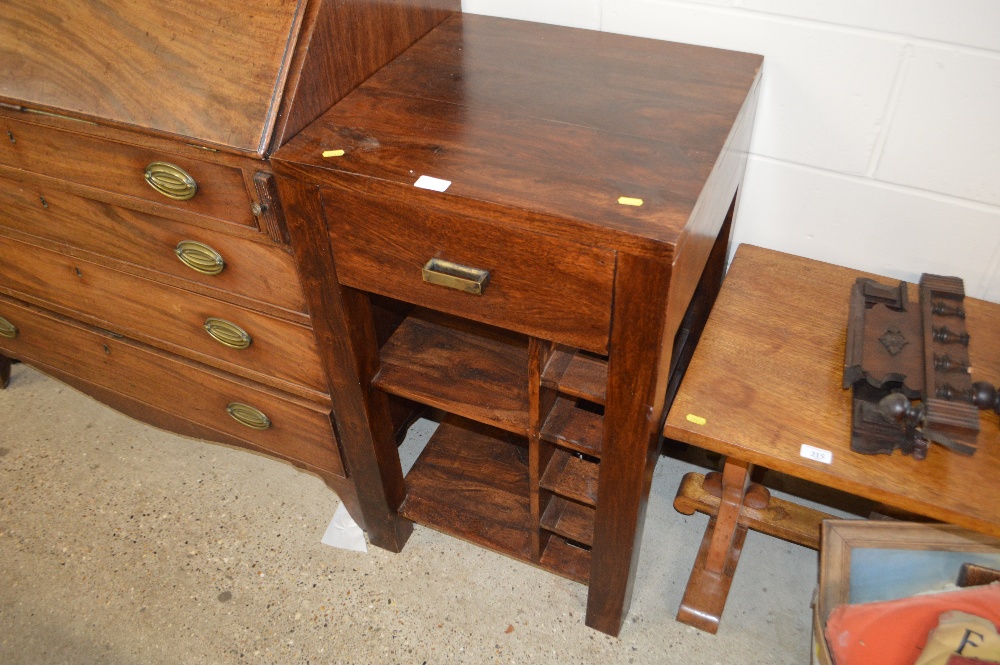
{"x": 333, "y": 153}
{"x": 628, "y": 201}
{"x": 697, "y": 420}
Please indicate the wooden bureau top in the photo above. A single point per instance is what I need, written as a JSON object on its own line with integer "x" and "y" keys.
{"x": 223, "y": 73}
{"x": 554, "y": 121}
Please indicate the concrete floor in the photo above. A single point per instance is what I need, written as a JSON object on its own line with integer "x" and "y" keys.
{"x": 124, "y": 544}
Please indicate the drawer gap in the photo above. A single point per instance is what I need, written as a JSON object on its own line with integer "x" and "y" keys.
{"x": 570, "y": 520}
{"x": 571, "y": 424}
{"x": 566, "y": 559}
{"x": 569, "y": 476}
{"x": 577, "y": 373}
{"x": 469, "y": 369}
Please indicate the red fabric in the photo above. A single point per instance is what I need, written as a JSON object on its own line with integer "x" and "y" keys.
{"x": 893, "y": 632}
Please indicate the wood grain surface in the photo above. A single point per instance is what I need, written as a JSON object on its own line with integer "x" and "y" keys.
{"x": 767, "y": 376}
{"x": 282, "y": 354}
{"x": 594, "y": 118}
{"x": 207, "y": 70}
{"x": 540, "y": 286}
{"x": 300, "y": 429}
{"x": 260, "y": 272}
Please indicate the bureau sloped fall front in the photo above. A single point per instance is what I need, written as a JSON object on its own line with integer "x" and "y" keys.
{"x": 143, "y": 254}
{"x": 549, "y": 288}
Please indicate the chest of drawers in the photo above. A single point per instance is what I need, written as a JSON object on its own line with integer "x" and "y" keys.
{"x": 143, "y": 251}
{"x": 556, "y": 275}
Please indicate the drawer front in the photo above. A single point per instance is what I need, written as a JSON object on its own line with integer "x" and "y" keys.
{"x": 254, "y": 270}
{"x": 279, "y": 353}
{"x": 121, "y": 168}
{"x": 297, "y": 429}
{"x": 537, "y": 284}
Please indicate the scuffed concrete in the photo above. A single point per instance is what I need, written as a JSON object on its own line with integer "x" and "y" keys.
{"x": 124, "y": 544}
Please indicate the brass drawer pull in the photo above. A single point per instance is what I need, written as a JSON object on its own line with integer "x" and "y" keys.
{"x": 171, "y": 181}
{"x": 7, "y": 329}
{"x": 455, "y": 276}
{"x": 200, "y": 257}
{"x": 227, "y": 334}
{"x": 246, "y": 415}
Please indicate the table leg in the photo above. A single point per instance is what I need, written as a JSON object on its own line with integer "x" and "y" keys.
{"x": 712, "y": 575}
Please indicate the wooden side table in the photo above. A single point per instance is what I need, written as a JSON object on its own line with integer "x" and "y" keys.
{"x": 550, "y": 276}
{"x": 766, "y": 379}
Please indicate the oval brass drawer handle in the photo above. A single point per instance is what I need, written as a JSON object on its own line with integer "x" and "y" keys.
{"x": 456, "y": 276}
{"x": 246, "y": 415}
{"x": 200, "y": 257}
{"x": 227, "y": 333}
{"x": 7, "y": 329}
{"x": 171, "y": 181}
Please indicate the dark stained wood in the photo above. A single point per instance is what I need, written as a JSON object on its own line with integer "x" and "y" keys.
{"x": 702, "y": 300}
{"x": 544, "y": 162}
{"x": 4, "y": 372}
{"x": 344, "y": 43}
{"x": 527, "y": 287}
{"x": 471, "y": 481}
{"x": 282, "y": 354}
{"x": 574, "y": 428}
{"x": 570, "y": 520}
{"x": 300, "y": 429}
{"x": 577, "y": 374}
{"x": 540, "y": 401}
{"x": 637, "y": 379}
{"x": 571, "y": 477}
{"x": 567, "y": 560}
{"x": 267, "y": 207}
{"x": 257, "y": 275}
{"x": 437, "y": 361}
{"x": 322, "y": 49}
{"x": 536, "y": 179}
{"x": 346, "y": 334}
{"x": 759, "y": 387}
{"x": 120, "y": 168}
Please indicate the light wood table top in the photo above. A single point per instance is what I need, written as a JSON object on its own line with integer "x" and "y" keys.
{"x": 766, "y": 378}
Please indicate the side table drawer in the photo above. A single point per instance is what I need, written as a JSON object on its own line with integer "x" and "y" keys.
{"x": 536, "y": 284}
{"x": 165, "y": 316}
{"x": 264, "y": 272}
{"x": 216, "y": 190}
{"x": 294, "y": 428}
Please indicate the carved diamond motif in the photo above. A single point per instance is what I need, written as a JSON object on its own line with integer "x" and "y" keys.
{"x": 893, "y": 341}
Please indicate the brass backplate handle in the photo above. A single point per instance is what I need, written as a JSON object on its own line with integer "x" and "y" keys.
{"x": 456, "y": 276}
{"x": 171, "y": 181}
{"x": 227, "y": 333}
{"x": 200, "y": 257}
{"x": 7, "y": 329}
{"x": 248, "y": 416}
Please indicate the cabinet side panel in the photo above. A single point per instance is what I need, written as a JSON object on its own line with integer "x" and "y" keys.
{"x": 348, "y": 42}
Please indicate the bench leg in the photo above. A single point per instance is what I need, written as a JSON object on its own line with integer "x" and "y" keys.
{"x": 719, "y": 554}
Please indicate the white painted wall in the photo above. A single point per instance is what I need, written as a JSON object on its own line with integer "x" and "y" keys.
{"x": 877, "y": 142}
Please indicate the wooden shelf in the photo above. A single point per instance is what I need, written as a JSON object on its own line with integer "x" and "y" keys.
{"x": 571, "y": 477}
{"x": 471, "y": 482}
{"x": 569, "y": 519}
{"x": 569, "y": 426}
{"x": 468, "y": 369}
{"x": 576, "y": 373}
{"x": 564, "y": 559}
